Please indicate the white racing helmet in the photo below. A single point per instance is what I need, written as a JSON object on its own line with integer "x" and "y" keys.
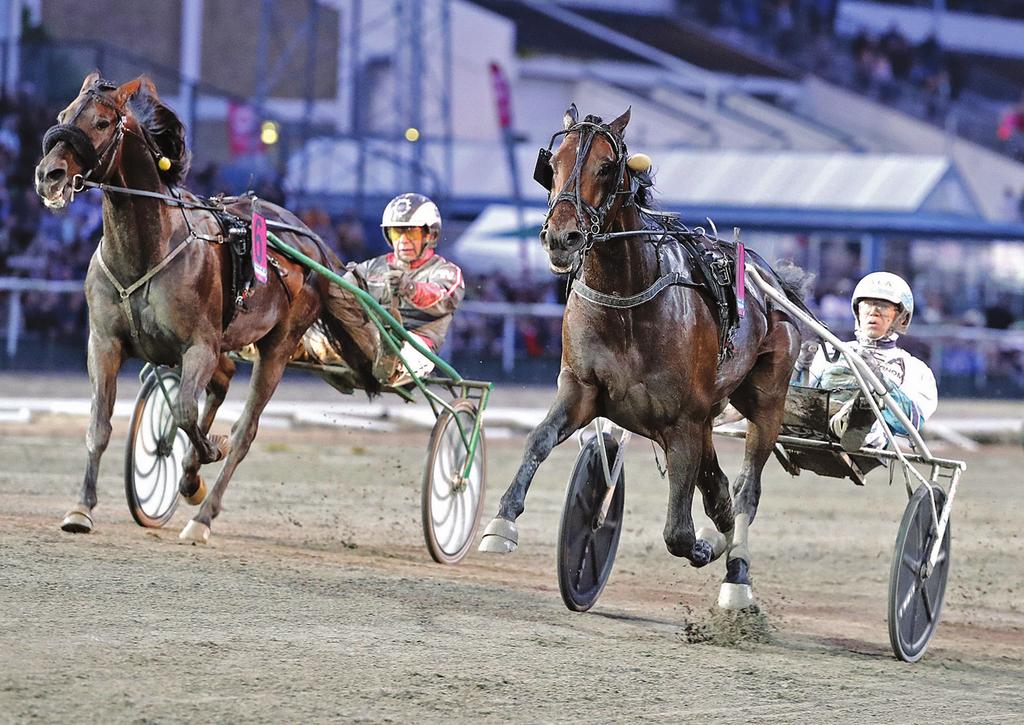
{"x": 890, "y": 287}
{"x": 412, "y": 210}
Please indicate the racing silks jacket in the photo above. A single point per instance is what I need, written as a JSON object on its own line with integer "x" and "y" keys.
{"x": 428, "y": 311}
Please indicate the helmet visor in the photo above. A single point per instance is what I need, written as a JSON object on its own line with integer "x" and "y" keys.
{"x": 413, "y": 234}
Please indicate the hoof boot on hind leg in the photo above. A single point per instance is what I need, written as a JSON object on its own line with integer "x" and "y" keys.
{"x": 702, "y": 553}
{"x": 194, "y": 533}
{"x": 715, "y": 538}
{"x": 736, "y": 592}
{"x": 197, "y": 496}
{"x": 500, "y": 537}
{"x": 77, "y": 521}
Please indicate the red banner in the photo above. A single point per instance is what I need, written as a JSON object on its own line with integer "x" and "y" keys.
{"x": 502, "y": 96}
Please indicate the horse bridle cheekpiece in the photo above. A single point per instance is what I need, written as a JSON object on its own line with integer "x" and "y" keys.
{"x": 589, "y": 219}
{"x": 81, "y": 146}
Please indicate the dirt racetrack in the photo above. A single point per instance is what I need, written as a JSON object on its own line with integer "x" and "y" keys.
{"x": 317, "y": 601}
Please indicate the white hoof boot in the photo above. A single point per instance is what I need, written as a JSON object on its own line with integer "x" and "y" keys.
{"x": 194, "y": 533}
{"x": 500, "y": 537}
{"x": 77, "y": 521}
{"x": 714, "y": 537}
{"x": 735, "y": 596}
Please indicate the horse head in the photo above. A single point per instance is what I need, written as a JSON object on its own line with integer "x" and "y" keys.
{"x": 587, "y": 183}
{"x": 87, "y": 142}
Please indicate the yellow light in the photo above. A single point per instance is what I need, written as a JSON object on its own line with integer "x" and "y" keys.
{"x": 268, "y": 133}
{"x": 412, "y": 134}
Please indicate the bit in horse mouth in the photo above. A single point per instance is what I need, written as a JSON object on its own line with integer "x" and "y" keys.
{"x": 58, "y": 200}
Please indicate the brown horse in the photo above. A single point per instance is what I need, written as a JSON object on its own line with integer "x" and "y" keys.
{"x": 654, "y": 367}
{"x": 159, "y": 286}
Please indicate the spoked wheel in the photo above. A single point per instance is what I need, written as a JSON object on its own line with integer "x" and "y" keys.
{"x": 915, "y": 592}
{"x": 586, "y": 551}
{"x": 450, "y": 504}
{"x": 154, "y": 453}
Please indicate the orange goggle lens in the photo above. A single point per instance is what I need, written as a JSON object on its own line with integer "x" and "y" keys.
{"x": 415, "y": 234}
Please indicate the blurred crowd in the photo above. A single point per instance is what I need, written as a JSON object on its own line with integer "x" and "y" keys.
{"x": 922, "y": 78}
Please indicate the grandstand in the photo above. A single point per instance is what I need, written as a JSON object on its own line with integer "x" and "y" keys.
{"x": 746, "y": 121}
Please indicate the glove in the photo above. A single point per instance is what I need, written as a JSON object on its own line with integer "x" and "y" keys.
{"x": 807, "y": 353}
{"x": 872, "y": 363}
{"x": 401, "y": 283}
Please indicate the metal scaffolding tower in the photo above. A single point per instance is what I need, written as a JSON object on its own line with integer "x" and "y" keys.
{"x": 397, "y": 70}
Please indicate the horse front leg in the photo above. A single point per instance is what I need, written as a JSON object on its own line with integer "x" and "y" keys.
{"x": 191, "y": 486}
{"x": 266, "y": 374}
{"x": 684, "y": 449}
{"x": 198, "y": 365}
{"x": 573, "y": 408}
{"x": 105, "y": 356}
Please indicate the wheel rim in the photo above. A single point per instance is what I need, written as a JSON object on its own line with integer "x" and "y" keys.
{"x": 158, "y": 452}
{"x": 453, "y": 500}
{"x": 918, "y": 593}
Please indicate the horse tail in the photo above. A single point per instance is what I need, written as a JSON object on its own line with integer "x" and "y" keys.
{"x": 796, "y": 282}
{"x": 351, "y": 332}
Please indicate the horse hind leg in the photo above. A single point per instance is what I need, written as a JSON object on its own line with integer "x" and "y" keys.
{"x": 192, "y": 486}
{"x": 104, "y": 360}
{"x": 266, "y": 374}
{"x": 761, "y": 399}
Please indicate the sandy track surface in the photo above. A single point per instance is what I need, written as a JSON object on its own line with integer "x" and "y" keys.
{"x": 317, "y": 600}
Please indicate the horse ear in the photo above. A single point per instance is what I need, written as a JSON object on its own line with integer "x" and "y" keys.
{"x": 619, "y": 124}
{"x": 146, "y": 84}
{"x": 129, "y": 89}
{"x": 89, "y": 80}
{"x": 570, "y": 117}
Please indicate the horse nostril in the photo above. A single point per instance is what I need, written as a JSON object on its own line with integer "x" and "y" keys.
{"x": 573, "y": 238}
{"x": 56, "y": 174}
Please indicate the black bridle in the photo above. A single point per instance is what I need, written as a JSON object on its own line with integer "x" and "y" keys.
{"x": 88, "y": 157}
{"x": 590, "y": 220}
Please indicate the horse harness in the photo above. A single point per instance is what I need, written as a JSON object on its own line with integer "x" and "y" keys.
{"x": 235, "y": 232}
{"x": 713, "y": 264}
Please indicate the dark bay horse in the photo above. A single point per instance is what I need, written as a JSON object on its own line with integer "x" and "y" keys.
{"x": 653, "y": 368}
{"x": 159, "y": 286}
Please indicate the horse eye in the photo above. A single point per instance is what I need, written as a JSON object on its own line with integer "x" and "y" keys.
{"x": 606, "y": 168}
{"x": 102, "y": 123}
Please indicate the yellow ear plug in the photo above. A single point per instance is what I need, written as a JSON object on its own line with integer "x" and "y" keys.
{"x": 639, "y": 162}
{"x": 163, "y": 163}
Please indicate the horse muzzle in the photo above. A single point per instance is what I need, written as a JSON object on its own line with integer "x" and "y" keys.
{"x": 53, "y": 185}
{"x": 562, "y": 247}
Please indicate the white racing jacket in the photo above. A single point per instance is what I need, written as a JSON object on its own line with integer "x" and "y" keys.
{"x": 912, "y": 384}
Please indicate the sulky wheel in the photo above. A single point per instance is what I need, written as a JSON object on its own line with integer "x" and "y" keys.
{"x": 154, "y": 453}
{"x": 450, "y": 504}
{"x": 915, "y": 592}
{"x": 586, "y": 551}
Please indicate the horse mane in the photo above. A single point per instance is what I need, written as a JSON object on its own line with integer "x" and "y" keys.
{"x": 164, "y": 129}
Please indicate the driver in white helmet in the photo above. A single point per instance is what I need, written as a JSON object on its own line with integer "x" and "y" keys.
{"x": 422, "y": 286}
{"x": 883, "y": 306}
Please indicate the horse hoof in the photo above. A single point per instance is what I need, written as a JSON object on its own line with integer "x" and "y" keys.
{"x": 77, "y": 521}
{"x": 500, "y": 537}
{"x": 197, "y": 496}
{"x": 702, "y": 553}
{"x": 194, "y": 533}
{"x": 736, "y": 592}
{"x": 735, "y": 596}
{"x": 715, "y": 538}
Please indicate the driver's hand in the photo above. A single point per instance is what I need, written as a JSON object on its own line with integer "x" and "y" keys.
{"x": 401, "y": 283}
